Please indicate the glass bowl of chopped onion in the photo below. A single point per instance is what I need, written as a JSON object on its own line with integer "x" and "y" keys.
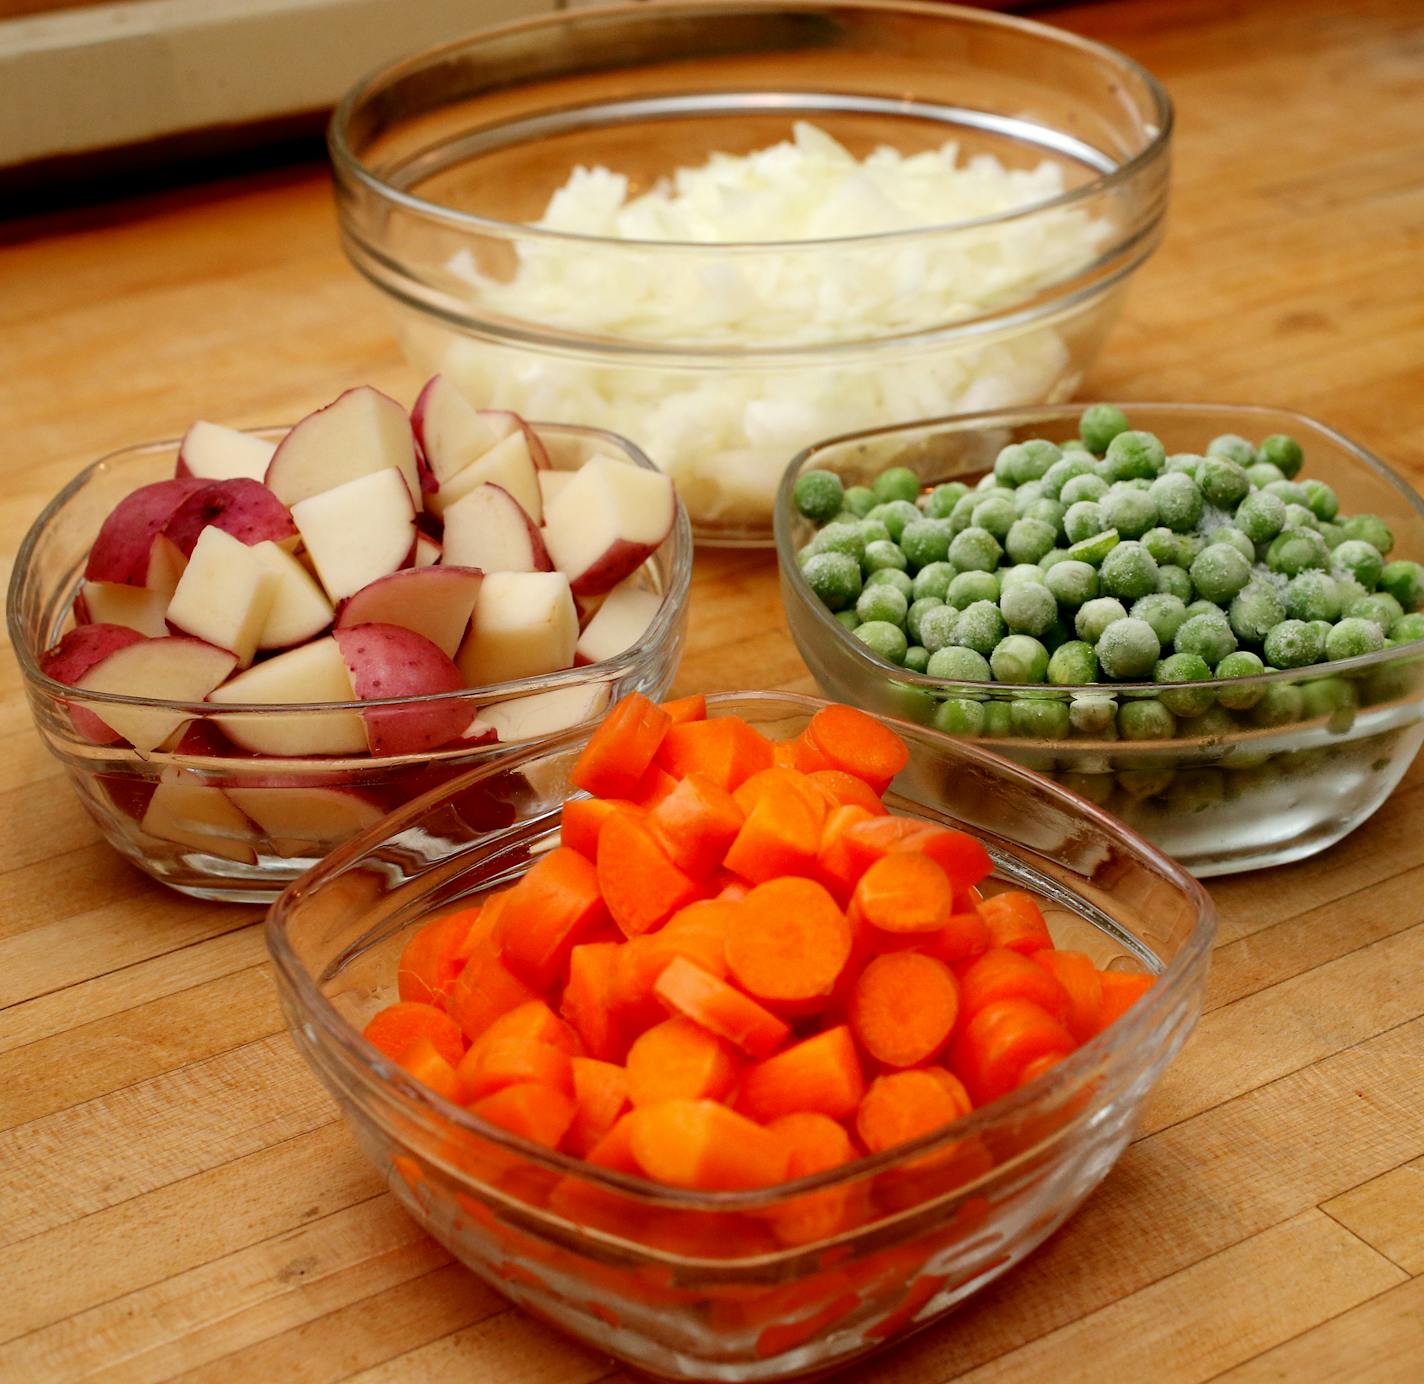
{"x": 726, "y": 228}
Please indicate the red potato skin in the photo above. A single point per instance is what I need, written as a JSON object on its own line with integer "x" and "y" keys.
{"x": 120, "y": 552}
{"x": 244, "y": 508}
{"x": 615, "y": 563}
{"x": 387, "y": 661}
{"x": 74, "y": 656}
{"x": 376, "y": 602}
{"x": 508, "y": 422}
{"x": 539, "y": 558}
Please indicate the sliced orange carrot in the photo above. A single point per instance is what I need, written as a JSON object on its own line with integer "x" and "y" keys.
{"x": 485, "y": 989}
{"x": 865, "y": 842}
{"x": 1080, "y": 980}
{"x": 684, "y": 709}
{"x": 621, "y": 749}
{"x": 555, "y": 904}
{"x": 838, "y": 862}
{"x": 697, "y": 932}
{"x": 769, "y": 780}
{"x": 641, "y": 886}
{"x": 901, "y": 1106}
{"x": 655, "y": 785}
{"x": 491, "y": 1066}
{"x": 600, "y": 1095}
{"x": 428, "y": 1066}
{"x": 788, "y": 942}
{"x": 1120, "y": 991}
{"x": 850, "y": 739}
{"x": 780, "y": 836}
{"x": 847, "y": 790}
{"x": 724, "y": 749}
{"x": 679, "y": 1060}
{"x": 903, "y": 1008}
{"x": 1035, "y": 1069}
{"x": 696, "y": 823}
{"x": 615, "y": 1150}
{"x": 814, "y": 1143}
{"x": 587, "y": 1000}
{"x": 990, "y": 1052}
{"x": 1001, "y": 974}
{"x": 783, "y": 754}
{"x": 781, "y": 1337}
{"x": 1015, "y": 921}
{"x": 687, "y": 989}
{"x": 535, "y": 1112}
{"x": 435, "y": 955}
{"x": 821, "y": 1073}
{"x": 398, "y": 1027}
{"x": 533, "y": 1021}
{"x": 729, "y": 888}
{"x": 807, "y": 756}
{"x": 904, "y": 893}
{"x": 582, "y": 819}
{"x": 963, "y": 937}
{"x": 957, "y": 853}
{"x": 702, "y": 1144}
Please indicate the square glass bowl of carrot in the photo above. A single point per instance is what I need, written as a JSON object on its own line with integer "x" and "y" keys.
{"x": 726, "y": 1056}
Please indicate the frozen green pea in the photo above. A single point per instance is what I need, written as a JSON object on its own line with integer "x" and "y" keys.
{"x": 1028, "y": 539}
{"x": 995, "y": 514}
{"x": 1263, "y": 473}
{"x": 1004, "y": 464}
{"x": 874, "y": 531}
{"x": 985, "y": 484}
{"x": 1099, "y": 424}
{"x": 1051, "y": 558}
{"x": 891, "y": 576}
{"x": 936, "y": 627}
{"x": 1183, "y": 701}
{"x": 1232, "y": 537}
{"x": 1174, "y": 581}
{"x": 1241, "y": 664}
{"x": 1083, "y": 520}
{"x": 896, "y": 483}
{"x": 835, "y": 578}
{"x": 1282, "y": 450}
{"x": 1163, "y": 611}
{"x": 1313, "y": 595}
{"x": 968, "y": 587}
{"x": 958, "y": 664}
{"x": 1128, "y": 648}
{"x": 1330, "y": 697}
{"x": 1019, "y": 658}
{"x": 1073, "y": 664}
{"x": 1256, "y": 609}
{"x": 1299, "y": 517}
{"x": 1033, "y": 460}
{"x": 1093, "y": 714}
{"x": 963, "y": 512}
{"x": 1096, "y": 788}
{"x": 1134, "y": 455}
{"x": 1096, "y": 615}
{"x": 1184, "y": 463}
{"x": 1333, "y": 534}
{"x": 1177, "y": 499}
{"x": 933, "y": 580}
{"x": 1223, "y": 482}
{"x": 847, "y": 618}
{"x": 805, "y": 554}
{"x": 925, "y": 541}
{"x": 1408, "y": 627}
{"x": 1287, "y": 492}
{"x": 1383, "y": 609}
{"x": 1196, "y": 790}
{"x": 840, "y": 538}
{"x": 916, "y": 612}
{"x": 1057, "y": 633}
{"x": 1208, "y": 634}
{"x": 895, "y": 514}
{"x": 1063, "y": 470}
{"x": 882, "y": 603}
{"x": 916, "y": 660}
{"x": 1293, "y": 644}
{"x": 1261, "y": 516}
{"x": 1352, "y": 638}
{"x": 1320, "y": 499}
{"x": 1360, "y": 560}
{"x": 1295, "y": 550}
{"x": 1036, "y": 718}
{"x": 998, "y": 720}
{"x": 884, "y": 553}
{"x": 883, "y": 639}
{"x": 1128, "y": 571}
{"x": 980, "y": 627}
{"x": 1219, "y": 572}
{"x": 1280, "y": 704}
{"x": 943, "y": 498}
{"x": 1215, "y": 723}
{"x": 1145, "y": 718}
{"x": 975, "y": 550}
{"x": 1142, "y": 784}
{"x": 1404, "y": 580}
{"x": 1028, "y": 609}
{"x": 1233, "y": 447}
{"x": 1026, "y": 495}
{"x": 819, "y": 495}
{"x": 1046, "y": 511}
{"x": 1131, "y": 512}
{"x": 1202, "y": 607}
{"x": 1093, "y": 550}
{"x": 959, "y": 716}
{"x": 859, "y": 500}
{"x": 1020, "y": 574}
{"x": 1369, "y": 528}
{"x": 1163, "y": 544}
{"x": 1072, "y": 583}
{"x": 1088, "y": 486}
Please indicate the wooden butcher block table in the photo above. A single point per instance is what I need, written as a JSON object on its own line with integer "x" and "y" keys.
{"x": 177, "y": 1195}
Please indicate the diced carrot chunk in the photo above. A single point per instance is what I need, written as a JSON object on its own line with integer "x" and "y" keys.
{"x": 685, "y": 988}
{"x": 399, "y": 1027}
{"x": 621, "y": 749}
{"x": 856, "y": 742}
{"x": 821, "y": 1073}
{"x": 642, "y": 888}
{"x": 780, "y": 836}
{"x": 998, "y": 1042}
{"x": 435, "y": 955}
{"x": 486, "y": 988}
{"x": 555, "y": 904}
{"x": 426, "y": 1064}
{"x": 1015, "y": 921}
{"x": 582, "y": 820}
{"x": 701, "y": 1144}
{"x": 788, "y": 942}
{"x": 535, "y": 1112}
{"x": 587, "y": 1000}
{"x": 903, "y": 1008}
{"x": 684, "y": 709}
{"x": 679, "y": 1060}
{"x": 724, "y": 749}
{"x": 902, "y": 1106}
{"x": 1082, "y": 984}
{"x": 1121, "y": 990}
{"x": 1002, "y": 974}
{"x": 600, "y": 1095}
{"x": 696, "y": 823}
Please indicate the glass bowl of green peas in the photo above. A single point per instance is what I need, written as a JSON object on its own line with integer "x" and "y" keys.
{"x": 1207, "y": 618}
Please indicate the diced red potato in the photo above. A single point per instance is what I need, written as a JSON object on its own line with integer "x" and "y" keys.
{"x": 213, "y": 451}
{"x": 361, "y": 432}
{"x": 358, "y": 531}
{"x": 603, "y": 525}
{"x": 505, "y": 422}
{"x": 224, "y": 595}
{"x": 433, "y": 601}
{"x": 113, "y": 603}
{"x": 508, "y": 464}
{"x": 451, "y": 431}
{"x": 490, "y": 529}
{"x": 125, "y": 539}
{"x": 298, "y": 819}
{"x": 300, "y": 610}
{"x": 388, "y": 661}
{"x": 427, "y": 551}
{"x": 165, "y": 566}
{"x": 79, "y": 651}
{"x": 524, "y": 625}
{"x": 189, "y": 812}
{"x": 618, "y": 624}
{"x": 245, "y": 509}
{"x": 542, "y": 713}
{"x": 551, "y": 482}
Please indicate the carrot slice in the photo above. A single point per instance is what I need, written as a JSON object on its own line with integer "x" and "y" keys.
{"x": 490, "y": 1066}
{"x": 679, "y": 1060}
{"x": 992, "y": 1050}
{"x": 1121, "y": 990}
{"x": 963, "y": 937}
{"x": 621, "y": 749}
{"x": 615, "y": 1150}
{"x": 789, "y": 942}
{"x": 814, "y": 1143}
{"x": 770, "y": 780}
{"x": 582, "y": 820}
{"x": 851, "y": 740}
{"x": 600, "y": 1095}
{"x": 838, "y": 861}
{"x": 555, "y": 904}
{"x": 820, "y": 1074}
{"x": 433, "y": 958}
{"x": 398, "y": 1027}
{"x": 1082, "y": 984}
{"x": 687, "y": 989}
{"x": 641, "y": 886}
{"x": 684, "y": 709}
{"x": 1002, "y": 974}
{"x": 1015, "y": 921}
{"x": 697, "y": 932}
{"x": 901, "y": 1106}
{"x": 847, "y": 790}
{"x": 725, "y": 749}
{"x": 486, "y": 988}
{"x": 533, "y": 1021}
{"x": 655, "y": 785}
{"x": 426, "y": 1064}
{"x": 702, "y": 1144}
{"x": 957, "y": 853}
{"x": 780, "y": 836}
{"x": 535, "y": 1112}
{"x": 696, "y": 823}
{"x": 903, "y": 1008}
{"x": 587, "y": 999}
{"x": 1035, "y": 1069}
{"x": 904, "y": 893}
{"x": 867, "y": 841}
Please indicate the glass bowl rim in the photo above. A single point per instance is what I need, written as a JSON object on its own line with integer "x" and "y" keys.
{"x": 349, "y": 165}
{"x": 1044, "y": 691}
{"x": 670, "y": 612}
{"x": 364, "y": 1061}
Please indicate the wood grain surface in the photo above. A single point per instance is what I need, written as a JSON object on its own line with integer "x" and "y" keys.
{"x": 177, "y": 1197}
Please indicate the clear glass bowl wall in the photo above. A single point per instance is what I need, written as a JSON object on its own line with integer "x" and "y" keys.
{"x": 208, "y": 848}
{"x": 693, "y": 1285}
{"x": 1234, "y": 790}
{"x": 723, "y": 371}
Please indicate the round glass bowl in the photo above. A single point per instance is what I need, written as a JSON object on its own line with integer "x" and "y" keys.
{"x": 1304, "y": 757}
{"x": 723, "y": 359}
{"x": 220, "y": 823}
{"x": 697, "y": 1285}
